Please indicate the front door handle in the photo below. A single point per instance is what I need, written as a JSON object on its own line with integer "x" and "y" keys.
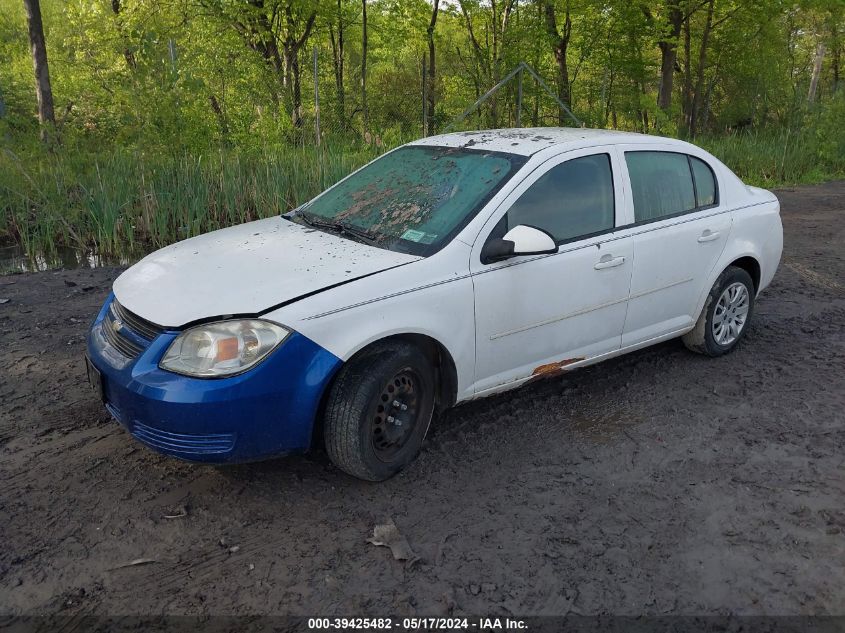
{"x": 609, "y": 261}
{"x": 708, "y": 236}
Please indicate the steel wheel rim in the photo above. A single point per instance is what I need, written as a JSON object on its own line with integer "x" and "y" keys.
{"x": 396, "y": 414}
{"x": 731, "y": 313}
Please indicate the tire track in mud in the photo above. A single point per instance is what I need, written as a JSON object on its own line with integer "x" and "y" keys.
{"x": 812, "y": 277}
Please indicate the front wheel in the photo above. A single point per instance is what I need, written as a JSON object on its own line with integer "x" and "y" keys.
{"x": 378, "y": 410}
{"x": 725, "y": 316}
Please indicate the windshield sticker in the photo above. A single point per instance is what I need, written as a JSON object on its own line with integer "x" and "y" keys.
{"x": 415, "y": 236}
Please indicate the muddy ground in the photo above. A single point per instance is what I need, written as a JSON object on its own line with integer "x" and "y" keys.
{"x": 658, "y": 483}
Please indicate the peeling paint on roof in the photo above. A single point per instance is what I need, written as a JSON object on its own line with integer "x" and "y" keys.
{"x": 527, "y": 141}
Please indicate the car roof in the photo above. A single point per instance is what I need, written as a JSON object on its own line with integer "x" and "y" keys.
{"x": 528, "y": 141}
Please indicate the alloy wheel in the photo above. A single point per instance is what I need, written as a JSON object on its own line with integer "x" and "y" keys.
{"x": 731, "y": 313}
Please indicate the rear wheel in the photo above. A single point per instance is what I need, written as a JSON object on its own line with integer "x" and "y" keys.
{"x": 378, "y": 410}
{"x": 725, "y": 316}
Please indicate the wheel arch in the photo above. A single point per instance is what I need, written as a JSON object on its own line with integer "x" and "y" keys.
{"x": 446, "y": 375}
{"x": 749, "y": 264}
{"x": 748, "y": 261}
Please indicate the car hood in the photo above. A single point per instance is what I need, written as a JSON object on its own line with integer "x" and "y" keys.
{"x": 244, "y": 270}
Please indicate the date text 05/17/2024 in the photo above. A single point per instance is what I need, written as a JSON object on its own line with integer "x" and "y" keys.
{"x": 416, "y": 624}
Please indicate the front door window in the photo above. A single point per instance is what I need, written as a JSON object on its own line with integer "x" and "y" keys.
{"x": 572, "y": 200}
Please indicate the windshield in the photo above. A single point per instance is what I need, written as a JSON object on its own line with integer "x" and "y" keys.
{"x": 414, "y": 199}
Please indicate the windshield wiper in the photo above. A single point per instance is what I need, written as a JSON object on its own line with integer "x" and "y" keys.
{"x": 341, "y": 228}
{"x": 316, "y": 222}
{"x": 356, "y": 231}
{"x": 296, "y": 211}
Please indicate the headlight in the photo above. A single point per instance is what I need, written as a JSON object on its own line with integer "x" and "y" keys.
{"x": 223, "y": 348}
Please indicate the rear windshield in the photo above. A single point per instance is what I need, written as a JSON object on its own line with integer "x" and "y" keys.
{"x": 416, "y": 198}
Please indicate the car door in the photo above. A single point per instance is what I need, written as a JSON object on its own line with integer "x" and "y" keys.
{"x": 680, "y": 229}
{"x": 539, "y": 313}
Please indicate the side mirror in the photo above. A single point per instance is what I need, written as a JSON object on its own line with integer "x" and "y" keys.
{"x": 520, "y": 240}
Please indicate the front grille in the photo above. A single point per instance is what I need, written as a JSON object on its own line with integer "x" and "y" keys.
{"x": 120, "y": 322}
{"x": 140, "y": 326}
{"x": 117, "y": 340}
{"x": 183, "y": 443}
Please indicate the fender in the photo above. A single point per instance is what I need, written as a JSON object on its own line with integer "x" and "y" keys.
{"x": 432, "y": 298}
{"x": 748, "y": 224}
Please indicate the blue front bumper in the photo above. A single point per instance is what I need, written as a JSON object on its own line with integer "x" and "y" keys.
{"x": 267, "y": 411}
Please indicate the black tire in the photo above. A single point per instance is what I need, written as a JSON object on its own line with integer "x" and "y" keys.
{"x": 363, "y": 432}
{"x": 701, "y": 338}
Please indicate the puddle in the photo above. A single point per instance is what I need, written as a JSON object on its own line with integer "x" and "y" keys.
{"x": 14, "y": 259}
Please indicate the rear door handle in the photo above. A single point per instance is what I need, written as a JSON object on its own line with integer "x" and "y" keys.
{"x": 609, "y": 261}
{"x": 708, "y": 236}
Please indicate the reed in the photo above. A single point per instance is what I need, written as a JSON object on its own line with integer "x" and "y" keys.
{"x": 126, "y": 203}
{"x": 778, "y": 157}
{"x": 122, "y": 204}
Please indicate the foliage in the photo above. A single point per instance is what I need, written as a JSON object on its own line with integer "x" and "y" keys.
{"x": 180, "y": 117}
{"x": 777, "y": 157}
{"x": 128, "y": 202}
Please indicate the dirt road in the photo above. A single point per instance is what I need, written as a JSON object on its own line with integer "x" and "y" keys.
{"x": 658, "y": 483}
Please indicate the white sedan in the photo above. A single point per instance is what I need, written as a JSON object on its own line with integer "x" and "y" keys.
{"x": 448, "y": 269}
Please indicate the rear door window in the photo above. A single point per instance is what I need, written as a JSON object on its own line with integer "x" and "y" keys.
{"x": 661, "y": 184}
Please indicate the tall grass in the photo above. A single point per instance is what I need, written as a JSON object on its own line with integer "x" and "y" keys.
{"x": 773, "y": 158}
{"x": 128, "y": 203}
{"x": 123, "y": 204}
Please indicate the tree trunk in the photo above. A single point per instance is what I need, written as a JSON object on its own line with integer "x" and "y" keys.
{"x": 695, "y": 110}
{"x": 495, "y": 70}
{"x": 535, "y": 107}
{"x": 365, "y": 111}
{"x": 293, "y": 76}
{"x": 644, "y": 91}
{"x": 686, "y": 103}
{"x": 560, "y": 44}
{"x": 286, "y": 78}
{"x": 705, "y": 118}
{"x": 43, "y": 89}
{"x": 500, "y": 31}
{"x": 296, "y": 76}
{"x": 128, "y": 55}
{"x": 817, "y": 71}
{"x": 482, "y": 61}
{"x": 669, "y": 55}
{"x": 609, "y": 101}
{"x": 269, "y": 50}
{"x": 430, "y": 79}
{"x": 338, "y": 59}
{"x": 257, "y": 33}
{"x": 221, "y": 117}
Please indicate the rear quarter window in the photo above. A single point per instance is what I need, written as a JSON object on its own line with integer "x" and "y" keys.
{"x": 705, "y": 183}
